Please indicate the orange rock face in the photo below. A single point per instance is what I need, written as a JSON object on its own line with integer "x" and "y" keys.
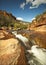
{"x": 38, "y": 22}
{"x": 11, "y": 52}
{"x": 39, "y": 38}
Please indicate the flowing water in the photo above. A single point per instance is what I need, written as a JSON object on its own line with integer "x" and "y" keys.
{"x": 23, "y": 39}
{"x": 39, "y": 55}
{"x": 35, "y": 55}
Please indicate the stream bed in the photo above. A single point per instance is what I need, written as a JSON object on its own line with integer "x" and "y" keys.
{"x": 35, "y": 55}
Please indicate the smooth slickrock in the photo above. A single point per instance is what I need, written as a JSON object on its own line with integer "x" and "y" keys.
{"x": 11, "y": 52}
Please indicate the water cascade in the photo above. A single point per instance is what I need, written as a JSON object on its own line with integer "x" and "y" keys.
{"x": 35, "y": 55}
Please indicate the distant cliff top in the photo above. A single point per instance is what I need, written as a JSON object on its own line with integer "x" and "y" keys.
{"x": 39, "y": 20}
{"x": 7, "y": 20}
{"x": 7, "y": 14}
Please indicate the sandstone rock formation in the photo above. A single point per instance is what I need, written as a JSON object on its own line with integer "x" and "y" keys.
{"x": 38, "y": 26}
{"x": 11, "y": 52}
{"x": 38, "y": 23}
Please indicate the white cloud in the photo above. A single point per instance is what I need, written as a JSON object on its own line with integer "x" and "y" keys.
{"x": 19, "y": 18}
{"x": 35, "y": 3}
{"x": 33, "y": 19}
{"x": 32, "y": 7}
{"x": 22, "y": 5}
{"x": 38, "y": 2}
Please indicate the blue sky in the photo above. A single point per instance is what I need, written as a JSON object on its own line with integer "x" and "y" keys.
{"x": 23, "y": 9}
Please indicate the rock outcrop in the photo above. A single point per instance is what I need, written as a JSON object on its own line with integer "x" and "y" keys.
{"x": 38, "y": 26}
{"x": 11, "y": 52}
{"x": 8, "y": 21}
{"x": 38, "y": 23}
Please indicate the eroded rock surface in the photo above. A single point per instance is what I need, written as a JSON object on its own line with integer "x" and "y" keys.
{"x": 11, "y": 52}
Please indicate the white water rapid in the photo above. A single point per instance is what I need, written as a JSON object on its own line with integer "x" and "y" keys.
{"x": 39, "y": 53}
{"x": 35, "y": 55}
{"x": 22, "y": 38}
